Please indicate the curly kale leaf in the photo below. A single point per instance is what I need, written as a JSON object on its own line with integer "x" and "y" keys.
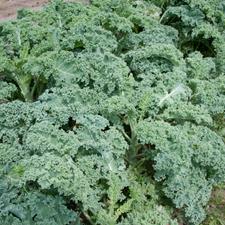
{"x": 33, "y": 207}
{"x": 188, "y": 159}
{"x": 210, "y": 94}
{"x": 6, "y": 91}
{"x": 146, "y": 210}
{"x": 101, "y": 71}
{"x": 74, "y": 162}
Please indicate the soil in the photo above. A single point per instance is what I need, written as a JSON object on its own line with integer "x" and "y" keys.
{"x": 8, "y": 8}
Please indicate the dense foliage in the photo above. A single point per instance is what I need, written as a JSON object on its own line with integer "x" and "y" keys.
{"x": 112, "y": 113}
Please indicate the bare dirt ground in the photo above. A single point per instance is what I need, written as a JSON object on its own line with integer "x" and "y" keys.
{"x": 8, "y": 8}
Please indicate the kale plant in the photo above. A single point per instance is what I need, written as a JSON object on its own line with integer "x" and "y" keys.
{"x": 112, "y": 113}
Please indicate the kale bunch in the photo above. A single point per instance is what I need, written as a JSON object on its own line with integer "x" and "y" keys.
{"x": 112, "y": 113}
